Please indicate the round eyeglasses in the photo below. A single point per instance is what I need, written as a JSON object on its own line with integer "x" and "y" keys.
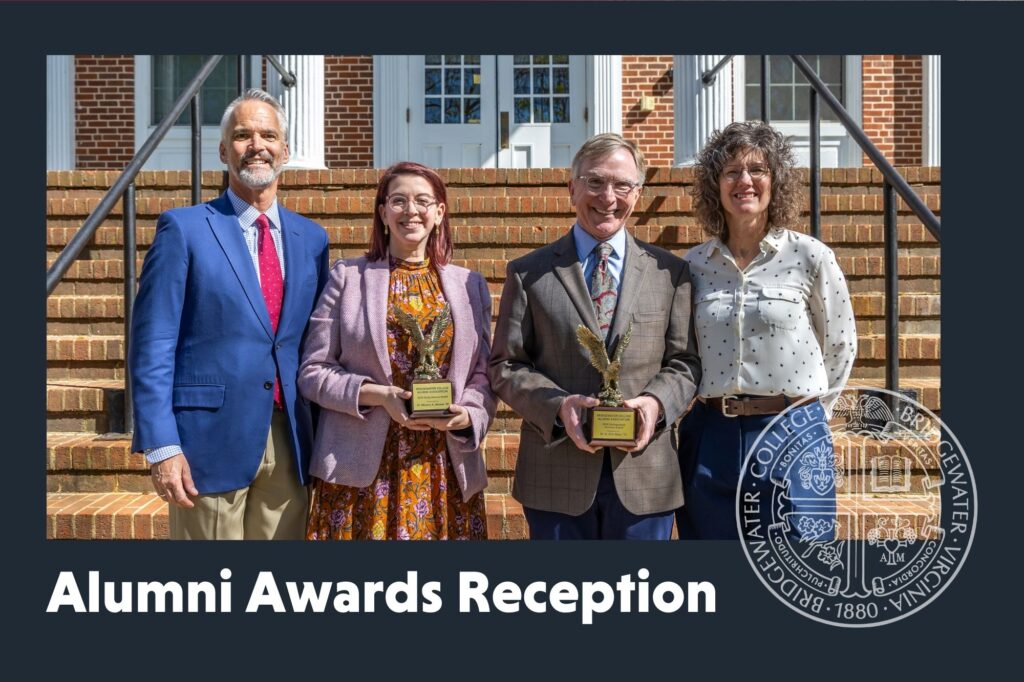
{"x": 595, "y": 184}
{"x": 399, "y": 203}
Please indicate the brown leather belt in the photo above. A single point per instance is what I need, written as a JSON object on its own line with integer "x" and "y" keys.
{"x": 748, "y": 406}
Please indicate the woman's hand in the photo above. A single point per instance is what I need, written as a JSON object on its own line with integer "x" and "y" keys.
{"x": 459, "y": 420}
{"x": 392, "y": 399}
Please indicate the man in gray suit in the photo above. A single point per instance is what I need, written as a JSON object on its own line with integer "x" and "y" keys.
{"x": 597, "y": 275}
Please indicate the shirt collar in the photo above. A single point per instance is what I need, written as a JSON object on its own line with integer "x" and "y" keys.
{"x": 247, "y": 213}
{"x": 773, "y": 240}
{"x": 585, "y": 243}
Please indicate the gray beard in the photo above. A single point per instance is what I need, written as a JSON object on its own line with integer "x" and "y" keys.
{"x": 258, "y": 178}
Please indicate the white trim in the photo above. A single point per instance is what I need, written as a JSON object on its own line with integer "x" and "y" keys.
{"x": 699, "y": 109}
{"x": 931, "y": 126}
{"x": 304, "y": 106}
{"x": 390, "y": 104}
{"x": 604, "y": 96}
{"x": 833, "y": 134}
{"x": 60, "y": 112}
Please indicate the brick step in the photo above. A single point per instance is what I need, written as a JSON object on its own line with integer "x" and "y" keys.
{"x": 143, "y": 516}
{"x": 215, "y": 180}
{"x": 140, "y": 516}
{"x": 104, "y": 348}
{"x": 484, "y": 200}
{"x": 852, "y": 266}
{"x": 80, "y": 405}
{"x": 82, "y": 462}
{"x": 868, "y": 305}
{"x": 110, "y": 348}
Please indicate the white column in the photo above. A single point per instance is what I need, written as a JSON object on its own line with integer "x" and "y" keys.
{"x": 931, "y": 128}
{"x": 60, "y": 112}
{"x": 304, "y": 104}
{"x": 390, "y": 107}
{"x": 699, "y": 109}
{"x": 606, "y": 108}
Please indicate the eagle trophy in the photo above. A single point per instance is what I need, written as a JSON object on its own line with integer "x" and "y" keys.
{"x": 609, "y": 369}
{"x": 426, "y": 345}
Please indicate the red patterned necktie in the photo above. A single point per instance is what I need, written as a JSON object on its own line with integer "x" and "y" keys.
{"x": 271, "y": 282}
{"x": 602, "y": 289}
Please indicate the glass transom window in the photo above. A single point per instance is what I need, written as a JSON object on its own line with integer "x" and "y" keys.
{"x": 541, "y": 88}
{"x": 172, "y": 73}
{"x": 788, "y": 90}
{"x": 451, "y": 88}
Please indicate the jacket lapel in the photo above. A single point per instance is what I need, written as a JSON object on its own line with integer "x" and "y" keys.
{"x": 634, "y": 272}
{"x": 224, "y": 224}
{"x": 568, "y": 269}
{"x": 462, "y": 317}
{"x": 377, "y": 277}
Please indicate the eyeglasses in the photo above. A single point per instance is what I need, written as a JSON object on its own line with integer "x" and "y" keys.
{"x": 399, "y": 203}
{"x": 755, "y": 173}
{"x": 595, "y": 185}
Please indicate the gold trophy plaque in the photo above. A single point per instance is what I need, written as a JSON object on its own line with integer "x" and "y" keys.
{"x": 610, "y": 423}
{"x": 431, "y": 394}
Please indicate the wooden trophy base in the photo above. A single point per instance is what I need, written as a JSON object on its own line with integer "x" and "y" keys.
{"x": 612, "y": 426}
{"x": 430, "y": 398}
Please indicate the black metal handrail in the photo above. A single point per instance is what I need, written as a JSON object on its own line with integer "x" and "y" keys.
{"x": 288, "y": 78}
{"x": 893, "y": 184}
{"x": 77, "y": 244}
{"x": 124, "y": 188}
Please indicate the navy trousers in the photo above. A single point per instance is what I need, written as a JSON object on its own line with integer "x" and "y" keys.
{"x": 606, "y": 519}
{"x": 712, "y": 449}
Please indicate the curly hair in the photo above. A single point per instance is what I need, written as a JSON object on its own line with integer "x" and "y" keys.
{"x": 723, "y": 147}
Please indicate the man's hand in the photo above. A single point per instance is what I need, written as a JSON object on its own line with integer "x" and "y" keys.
{"x": 570, "y": 414}
{"x": 459, "y": 420}
{"x": 173, "y": 481}
{"x": 649, "y": 409}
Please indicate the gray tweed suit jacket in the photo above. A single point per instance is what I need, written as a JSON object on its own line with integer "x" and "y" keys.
{"x": 536, "y": 362}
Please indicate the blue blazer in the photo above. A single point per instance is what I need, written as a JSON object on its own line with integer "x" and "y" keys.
{"x": 202, "y": 353}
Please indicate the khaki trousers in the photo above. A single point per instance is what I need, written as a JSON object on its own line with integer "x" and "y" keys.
{"x": 272, "y": 507}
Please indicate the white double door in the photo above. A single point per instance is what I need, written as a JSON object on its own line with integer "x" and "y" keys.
{"x": 496, "y": 111}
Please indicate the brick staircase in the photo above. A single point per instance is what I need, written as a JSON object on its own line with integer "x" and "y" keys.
{"x": 97, "y": 490}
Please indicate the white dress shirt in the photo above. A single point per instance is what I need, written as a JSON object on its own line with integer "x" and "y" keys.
{"x": 782, "y": 325}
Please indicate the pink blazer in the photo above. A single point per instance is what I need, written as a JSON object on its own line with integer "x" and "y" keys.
{"x": 347, "y": 344}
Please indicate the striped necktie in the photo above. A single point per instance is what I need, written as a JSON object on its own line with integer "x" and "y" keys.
{"x": 602, "y": 289}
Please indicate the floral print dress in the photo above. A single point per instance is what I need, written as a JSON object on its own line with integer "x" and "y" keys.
{"x": 415, "y": 495}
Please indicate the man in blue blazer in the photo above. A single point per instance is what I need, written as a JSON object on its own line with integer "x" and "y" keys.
{"x": 224, "y": 298}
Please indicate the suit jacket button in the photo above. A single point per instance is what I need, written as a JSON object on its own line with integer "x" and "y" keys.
{"x": 268, "y": 385}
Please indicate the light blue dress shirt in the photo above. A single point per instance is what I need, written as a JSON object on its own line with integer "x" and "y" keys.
{"x": 585, "y": 244}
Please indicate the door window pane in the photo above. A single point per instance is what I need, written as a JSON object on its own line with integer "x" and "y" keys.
{"x": 535, "y": 80}
{"x": 459, "y": 83}
{"x": 788, "y": 92}
{"x": 172, "y": 73}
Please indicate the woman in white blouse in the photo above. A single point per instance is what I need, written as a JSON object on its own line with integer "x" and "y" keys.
{"x": 774, "y": 326}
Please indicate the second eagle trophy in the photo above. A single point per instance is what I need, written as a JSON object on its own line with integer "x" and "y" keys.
{"x": 431, "y": 394}
{"x": 611, "y": 423}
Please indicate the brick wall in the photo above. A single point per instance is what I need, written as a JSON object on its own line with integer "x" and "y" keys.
{"x": 653, "y": 131}
{"x": 892, "y": 107}
{"x": 104, "y": 111}
{"x": 348, "y": 111}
